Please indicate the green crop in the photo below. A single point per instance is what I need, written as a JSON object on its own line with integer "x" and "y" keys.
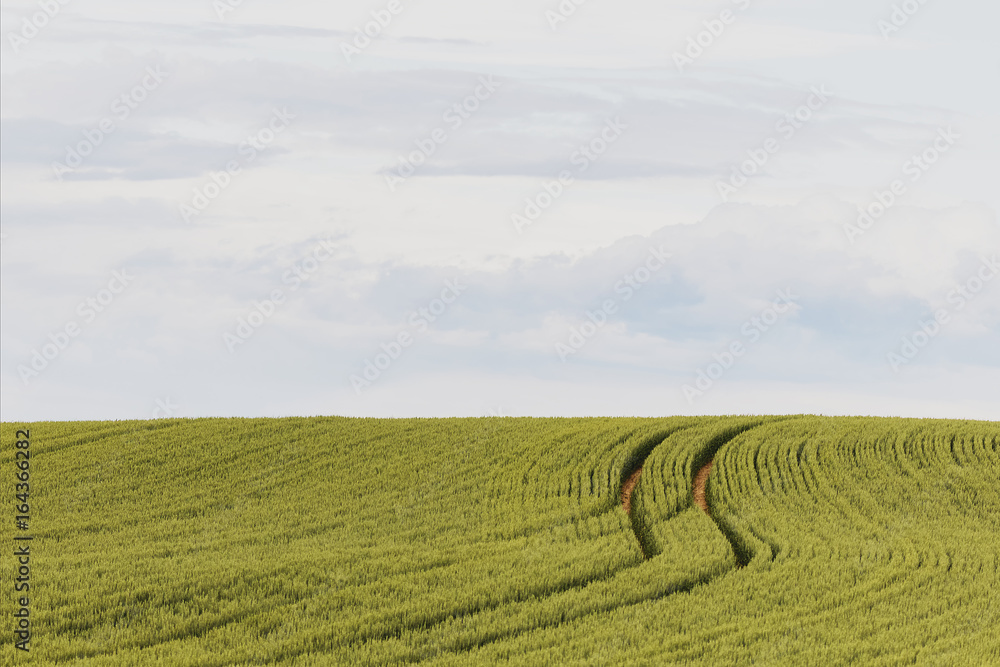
{"x": 828, "y": 541}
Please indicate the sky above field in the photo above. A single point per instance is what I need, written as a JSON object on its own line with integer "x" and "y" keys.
{"x": 442, "y": 208}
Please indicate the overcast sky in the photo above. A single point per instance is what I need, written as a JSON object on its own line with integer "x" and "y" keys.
{"x": 521, "y": 208}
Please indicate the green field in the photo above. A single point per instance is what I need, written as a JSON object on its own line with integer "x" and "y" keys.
{"x": 828, "y": 541}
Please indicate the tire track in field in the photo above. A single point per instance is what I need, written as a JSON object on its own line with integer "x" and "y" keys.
{"x": 698, "y": 490}
{"x": 627, "y": 488}
{"x": 700, "y": 482}
{"x": 635, "y": 463}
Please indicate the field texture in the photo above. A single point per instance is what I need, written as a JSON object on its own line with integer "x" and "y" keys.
{"x": 825, "y": 541}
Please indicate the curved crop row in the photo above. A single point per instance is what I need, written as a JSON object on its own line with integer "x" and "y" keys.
{"x": 367, "y": 531}
{"x": 381, "y": 542}
{"x": 665, "y": 489}
{"x": 870, "y": 541}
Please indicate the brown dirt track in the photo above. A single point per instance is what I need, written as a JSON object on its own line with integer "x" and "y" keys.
{"x": 700, "y": 480}
{"x": 627, "y": 489}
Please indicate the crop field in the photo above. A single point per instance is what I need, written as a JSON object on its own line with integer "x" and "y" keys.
{"x": 805, "y": 541}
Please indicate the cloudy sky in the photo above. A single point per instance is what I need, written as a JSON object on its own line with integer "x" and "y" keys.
{"x": 444, "y": 208}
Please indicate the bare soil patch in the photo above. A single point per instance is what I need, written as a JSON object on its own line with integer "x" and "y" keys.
{"x": 627, "y": 490}
{"x": 700, "y": 481}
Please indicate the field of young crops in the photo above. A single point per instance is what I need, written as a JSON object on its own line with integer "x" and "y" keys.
{"x": 828, "y": 541}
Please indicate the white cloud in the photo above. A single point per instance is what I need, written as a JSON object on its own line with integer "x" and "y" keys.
{"x": 658, "y": 185}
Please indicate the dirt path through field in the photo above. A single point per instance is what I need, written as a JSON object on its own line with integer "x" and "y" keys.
{"x": 700, "y": 480}
{"x": 627, "y": 490}
{"x": 700, "y": 483}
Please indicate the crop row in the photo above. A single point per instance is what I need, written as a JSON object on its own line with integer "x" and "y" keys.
{"x": 345, "y": 541}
